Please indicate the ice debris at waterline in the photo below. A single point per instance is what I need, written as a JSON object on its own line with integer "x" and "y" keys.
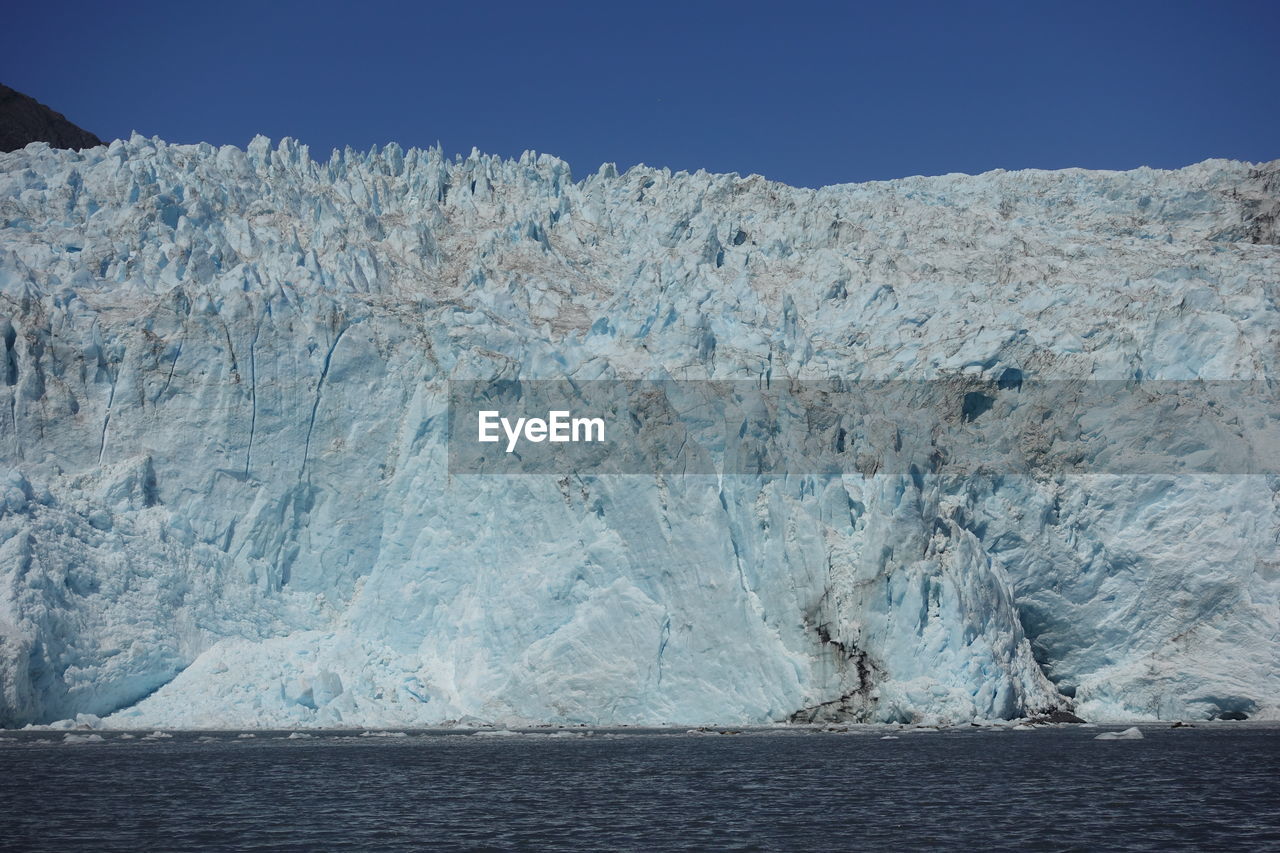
{"x": 1131, "y": 733}
{"x": 225, "y": 500}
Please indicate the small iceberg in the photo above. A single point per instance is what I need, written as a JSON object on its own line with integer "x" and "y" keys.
{"x": 70, "y": 738}
{"x": 1130, "y": 733}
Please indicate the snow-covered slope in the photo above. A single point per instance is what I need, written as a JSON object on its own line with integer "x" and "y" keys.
{"x": 226, "y": 499}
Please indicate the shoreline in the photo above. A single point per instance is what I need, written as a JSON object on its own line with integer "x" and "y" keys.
{"x": 301, "y": 732}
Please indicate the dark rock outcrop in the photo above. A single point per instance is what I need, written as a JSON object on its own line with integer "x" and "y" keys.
{"x": 24, "y": 120}
{"x": 1056, "y": 716}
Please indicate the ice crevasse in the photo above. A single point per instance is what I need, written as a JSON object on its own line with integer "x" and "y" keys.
{"x": 226, "y": 499}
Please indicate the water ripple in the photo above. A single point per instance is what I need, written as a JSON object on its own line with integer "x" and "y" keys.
{"x": 1056, "y": 789}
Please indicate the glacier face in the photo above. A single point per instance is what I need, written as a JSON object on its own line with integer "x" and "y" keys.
{"x": 227, "y": 501}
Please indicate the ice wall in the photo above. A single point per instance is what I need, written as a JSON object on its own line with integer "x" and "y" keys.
{"x": 226, "y": 499}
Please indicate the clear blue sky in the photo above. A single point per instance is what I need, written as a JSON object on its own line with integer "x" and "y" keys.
{"x": 807, "y": 93}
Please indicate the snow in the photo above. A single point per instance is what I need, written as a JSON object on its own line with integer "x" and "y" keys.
{"x": 225, "y": 499}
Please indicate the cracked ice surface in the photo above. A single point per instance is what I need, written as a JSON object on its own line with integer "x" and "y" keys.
{"x": 226, "y": 499}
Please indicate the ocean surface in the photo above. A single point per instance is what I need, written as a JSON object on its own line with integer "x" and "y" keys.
{"x": 1213, "y": 786}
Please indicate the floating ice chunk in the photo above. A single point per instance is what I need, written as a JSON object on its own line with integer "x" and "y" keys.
{"x": 73, "y": 738}
{"x": 297, "y": 736}
{"x": 1130, "y": 733}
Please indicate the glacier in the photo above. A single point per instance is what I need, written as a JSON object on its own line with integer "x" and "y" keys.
{"x": 227, "y": 501}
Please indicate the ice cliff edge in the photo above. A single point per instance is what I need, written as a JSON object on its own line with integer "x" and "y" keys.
{"x": 225, "y": 497}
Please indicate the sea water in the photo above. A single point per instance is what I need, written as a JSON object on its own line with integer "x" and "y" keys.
{"x": 865, "y": 788}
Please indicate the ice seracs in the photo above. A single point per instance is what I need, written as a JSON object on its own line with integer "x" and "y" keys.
{"x": 225, "y": 501}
